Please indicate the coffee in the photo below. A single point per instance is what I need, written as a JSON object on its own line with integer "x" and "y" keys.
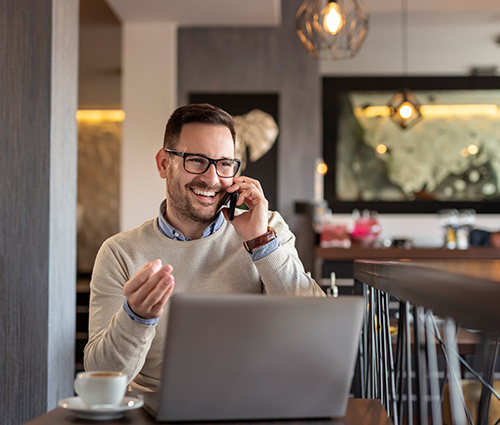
{"x": 101, "y": 388}
{"x": 103, "y": 374}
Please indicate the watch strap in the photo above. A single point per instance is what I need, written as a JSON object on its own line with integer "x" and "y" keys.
{"x": 260, "y": 240}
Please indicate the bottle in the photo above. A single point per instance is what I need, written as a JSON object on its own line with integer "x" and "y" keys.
{"x": 333, "y": 290}
{"x": 451, "y": 238}
{"x": 463, "y": 237}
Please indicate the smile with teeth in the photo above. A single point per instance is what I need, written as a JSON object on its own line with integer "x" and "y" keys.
{"x": 207, "y": 193}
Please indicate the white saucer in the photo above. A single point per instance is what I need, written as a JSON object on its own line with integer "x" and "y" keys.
{"x": 75, "y": 404}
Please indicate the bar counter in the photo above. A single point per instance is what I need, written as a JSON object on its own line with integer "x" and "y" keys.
{"x": 369, "y": 253}
{"x": 466, "y": 290}
{"x": 341, "y": 260}
{"x": 435, "y": 297}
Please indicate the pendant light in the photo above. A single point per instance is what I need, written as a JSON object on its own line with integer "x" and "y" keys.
{"x": 332, "y": 29}
{"x": 405, "y": 109}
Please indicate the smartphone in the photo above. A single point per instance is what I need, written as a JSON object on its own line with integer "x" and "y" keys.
{"x": 232, "y": 198}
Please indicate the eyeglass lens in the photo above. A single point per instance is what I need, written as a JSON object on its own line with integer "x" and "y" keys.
{"x": 198, "y": 165}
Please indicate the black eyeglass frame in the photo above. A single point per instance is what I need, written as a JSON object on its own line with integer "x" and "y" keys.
{"x": 211, "y": 161}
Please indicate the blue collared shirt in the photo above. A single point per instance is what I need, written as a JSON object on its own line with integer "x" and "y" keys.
{"x": 172, "y": 233}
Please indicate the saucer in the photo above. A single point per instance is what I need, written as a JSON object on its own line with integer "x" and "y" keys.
{"x": 76, "y": 405}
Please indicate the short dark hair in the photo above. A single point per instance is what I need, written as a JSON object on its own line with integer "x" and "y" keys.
{"x": 195, "y": 113}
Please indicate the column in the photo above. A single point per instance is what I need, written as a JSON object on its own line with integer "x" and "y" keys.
{"x": 149, "y": 87}
{"x": 38, "y": 140}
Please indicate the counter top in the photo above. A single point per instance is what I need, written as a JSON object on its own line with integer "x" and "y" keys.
{"x": 464, "y": 289}
{"x": 394, "y": 253}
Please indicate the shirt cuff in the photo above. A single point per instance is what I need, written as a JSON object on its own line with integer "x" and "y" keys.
{"x": 265, "y": 250}
{"x": 136, "y": 318}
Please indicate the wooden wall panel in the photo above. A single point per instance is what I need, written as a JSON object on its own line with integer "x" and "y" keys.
{"x": 30, "y": 172}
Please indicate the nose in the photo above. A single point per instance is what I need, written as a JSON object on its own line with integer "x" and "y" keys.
{"x": 210, "y": 176}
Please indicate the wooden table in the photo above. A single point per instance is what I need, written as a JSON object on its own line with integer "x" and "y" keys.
{"x": 359, "y": 412}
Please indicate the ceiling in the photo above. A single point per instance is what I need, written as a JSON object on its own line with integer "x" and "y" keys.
{"x": 268, "y": 12}
{"x": 100, "y": 24}
{"x": 201, "y": 12}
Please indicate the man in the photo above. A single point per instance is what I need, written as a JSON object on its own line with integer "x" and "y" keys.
{"x": 191, "y": 242}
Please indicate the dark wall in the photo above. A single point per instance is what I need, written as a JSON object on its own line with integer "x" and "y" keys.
{"x": 266, "y": 168}
{"x": 264, "y": 60}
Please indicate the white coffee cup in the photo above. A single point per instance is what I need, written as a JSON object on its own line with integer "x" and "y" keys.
{"x": 105, "y": 389}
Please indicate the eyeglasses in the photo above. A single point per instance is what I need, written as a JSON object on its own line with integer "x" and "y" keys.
{"x": 199, "y": 164}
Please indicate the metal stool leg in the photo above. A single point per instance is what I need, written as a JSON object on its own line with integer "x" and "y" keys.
{"x": 400, "y": 361}
{"x": 391, "y": 406}
{"x": 409, "y": 392}
{"x": 489, "y": 346}
{"x": 457, "y": 404}
{"x": 420, "y": 364}
{"x": 435, "y": 393}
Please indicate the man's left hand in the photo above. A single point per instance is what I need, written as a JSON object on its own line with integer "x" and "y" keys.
{"x": 254, "y": 222}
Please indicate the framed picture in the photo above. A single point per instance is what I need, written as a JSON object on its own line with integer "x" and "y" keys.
{"x": 448, "y": 158}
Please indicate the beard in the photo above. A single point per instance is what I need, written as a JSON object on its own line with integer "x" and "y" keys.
{"x": 183, "y": 205}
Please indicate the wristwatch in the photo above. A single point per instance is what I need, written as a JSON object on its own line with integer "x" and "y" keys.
{"x": 260, "y": 240}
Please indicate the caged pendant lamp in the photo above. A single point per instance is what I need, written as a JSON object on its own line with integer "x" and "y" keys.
{"x": 405, "y": 109}
{"x": 332, "y": 29}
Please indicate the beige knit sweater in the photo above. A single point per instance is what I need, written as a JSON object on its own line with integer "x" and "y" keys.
{"x": 215, "y": 264}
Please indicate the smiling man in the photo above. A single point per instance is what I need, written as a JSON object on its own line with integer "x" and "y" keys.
{"x": 190, "y": 247}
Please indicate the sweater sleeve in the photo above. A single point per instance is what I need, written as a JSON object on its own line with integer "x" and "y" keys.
{"x": 282, "y": 272}
{"x": 116, "y": 342}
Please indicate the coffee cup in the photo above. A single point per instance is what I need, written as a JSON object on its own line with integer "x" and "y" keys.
{"x": 105, "y": 389}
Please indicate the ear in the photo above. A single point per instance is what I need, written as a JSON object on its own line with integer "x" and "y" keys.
{"x": 162, "y": 163}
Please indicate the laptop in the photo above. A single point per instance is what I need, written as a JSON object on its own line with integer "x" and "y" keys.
{"x": 257, "y": 357}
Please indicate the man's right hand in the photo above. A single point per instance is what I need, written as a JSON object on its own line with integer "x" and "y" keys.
{"x": 149, "y": 290}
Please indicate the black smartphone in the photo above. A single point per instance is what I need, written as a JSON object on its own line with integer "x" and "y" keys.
{"x": 232, "y": 198}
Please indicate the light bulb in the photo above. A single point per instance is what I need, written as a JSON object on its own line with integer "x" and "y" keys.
{"x": 406, "y": 110}
{"x": 322, "y": 168}
{"x": 334, "y": 20}
{"x": 472, "y": 149}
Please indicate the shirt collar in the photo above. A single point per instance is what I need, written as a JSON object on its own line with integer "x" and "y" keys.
{"x": 172, "y": 233}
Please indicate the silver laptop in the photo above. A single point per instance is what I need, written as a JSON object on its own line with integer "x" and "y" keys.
{"x": 248, "y": 357}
